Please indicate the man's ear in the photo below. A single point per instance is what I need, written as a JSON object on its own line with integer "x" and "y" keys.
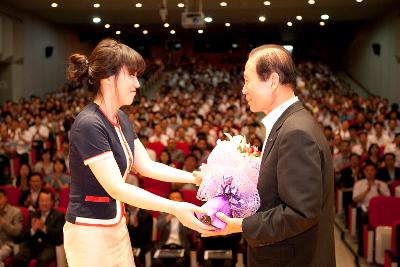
{"x": 274, "y": 77}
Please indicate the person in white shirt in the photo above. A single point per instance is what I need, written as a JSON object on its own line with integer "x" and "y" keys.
{"x": 379, "y": 137}
{"x": 367, "y": 188}
{"x": 159, "y": 136}
{"x": 173, "y": 235}
{"x": 363, "y": 191}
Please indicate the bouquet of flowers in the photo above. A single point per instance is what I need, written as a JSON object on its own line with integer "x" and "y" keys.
{"x": 229, "y": 183}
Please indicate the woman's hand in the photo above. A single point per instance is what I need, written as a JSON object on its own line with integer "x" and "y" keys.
{"x": 184, "y": 212}
{"x": 198, "y": 177}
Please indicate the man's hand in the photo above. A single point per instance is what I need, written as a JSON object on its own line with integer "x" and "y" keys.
{"x": 233, "y": 225}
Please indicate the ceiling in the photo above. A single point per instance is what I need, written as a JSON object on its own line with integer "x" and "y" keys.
{"x": 124, "y": 12}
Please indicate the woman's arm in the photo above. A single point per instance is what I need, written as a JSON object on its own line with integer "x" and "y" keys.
{"x": 109, "y": 176}
{"x": 149, "y": 168}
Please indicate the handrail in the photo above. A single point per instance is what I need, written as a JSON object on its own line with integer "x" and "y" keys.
{"x": 358, "y": 83}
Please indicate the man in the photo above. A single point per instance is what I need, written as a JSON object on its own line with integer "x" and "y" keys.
{"x": 140, "y": 227}
{"x": 390, "y": 172}
{"x": 294, "y": 224}
{"x": 363, "y": 191}
{"x": 10, "y": 226}
{"x": 173, "y": 235}
{"x": 348, "y": 177}
{"x": 45, "y": 232}
{"x": 30, "y": 197}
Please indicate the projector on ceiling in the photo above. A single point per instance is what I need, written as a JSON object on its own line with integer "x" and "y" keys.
{"x": 193, "y": 20}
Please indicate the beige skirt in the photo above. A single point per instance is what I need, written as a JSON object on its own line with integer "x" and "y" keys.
{"x": 98, "y": 246}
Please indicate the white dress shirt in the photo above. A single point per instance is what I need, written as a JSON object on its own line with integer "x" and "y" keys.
{"x": 274, "y": 115}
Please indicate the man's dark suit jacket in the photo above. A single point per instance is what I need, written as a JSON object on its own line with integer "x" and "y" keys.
{"x": 383, "y": 174}
{"x": 54, "y": 231}
{"x": 164, "y": 228}
{"x": 294, "y": 224}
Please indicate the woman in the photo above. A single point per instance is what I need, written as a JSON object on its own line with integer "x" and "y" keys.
{"x": 103, "y": 149}
{"x": 22, "y": 179}
{"x": 45, "y": 165}
{"x": 59, "y": 179}
{"x": 165, "y": 158}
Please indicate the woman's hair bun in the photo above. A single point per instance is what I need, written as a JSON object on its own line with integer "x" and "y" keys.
{"x": 78, "y": 67}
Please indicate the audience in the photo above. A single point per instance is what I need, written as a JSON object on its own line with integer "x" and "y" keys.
{"x": 197, "y": 103}
{"x": 44, "y": 233}
{"x": 10, "y": 226}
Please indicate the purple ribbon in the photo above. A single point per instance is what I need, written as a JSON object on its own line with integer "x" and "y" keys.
{"x": 231, "y": 192}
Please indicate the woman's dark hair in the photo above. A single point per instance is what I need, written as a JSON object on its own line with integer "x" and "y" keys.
{"x": 274, "y": 58}
{"x": 106, "y": 59}
{"x": 62, "y": 162}
{"x": 169, "y": 156}
{"x": 371, "y": 146}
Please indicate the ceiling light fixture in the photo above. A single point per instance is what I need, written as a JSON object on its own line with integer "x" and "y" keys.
{"x": 261, "y": 18}
{"x": 54, "y": 5}
{"x": 227, "y": 24}
{"x": 96, "y": 20}
{"x": 181, "y": 5}
{"x": 172, "y": 32}
{"x": 289, "y": 23}
{"x": 145, "y": 32}
{"x": 311, "y": 2}
{"x": 139, "y": 5}
{"x": 200, "y": 31}
{"x": 324, "y": 16}
{"x": 136, "y": 25}
{"x": 208, "y": 19}
{"x": 166, "y": 25}
{"x": 118, "y": 32}
{"x": 299, "y": 17}
{"x": 96, "y": 5}
{"x": 267, "y": 3}
{"x": 322, "y": 23}
{"x": 359, "y": 1}
{"x": 223, "y": 4}
{"x": 107, "y": 26}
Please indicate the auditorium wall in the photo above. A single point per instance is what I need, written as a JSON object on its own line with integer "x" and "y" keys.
{"x": 40, "y": 65}
{"x": 373, "y": 57}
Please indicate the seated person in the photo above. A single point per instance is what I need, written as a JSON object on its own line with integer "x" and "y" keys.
{"x": 30, "y": 197}
{"x": 59, "y": 179}
{"x": 389, "y": 172}
{"x": 348, "y": 177}
{"x": 173, "y": 235}
{"x": 140, "y": 228}
{"x": 44, "y": 233}
{"x": 363, "y": 191}
{"x": 10, "y": 226}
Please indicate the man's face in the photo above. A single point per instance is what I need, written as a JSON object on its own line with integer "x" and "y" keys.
{"x": 389, "y": 161}
{"x": 45, "y": 202}
{"x": 257, "y": 92}
{"x": 35, "y": 182}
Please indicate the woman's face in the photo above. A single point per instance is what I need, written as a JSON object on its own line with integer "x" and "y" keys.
{"x": 24, "y": 170}
{"x": 164, "y": 158}
{"x": 374, "y": 150}
{"x": 126, "y": 86}
{"x": 58, "y": 167}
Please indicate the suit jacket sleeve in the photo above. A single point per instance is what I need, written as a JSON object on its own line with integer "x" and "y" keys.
{"x": 299, "y": 184}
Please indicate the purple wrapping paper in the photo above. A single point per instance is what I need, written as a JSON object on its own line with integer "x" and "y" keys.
{"x": 229, "y": 183}
{"x": 214, "y": 205}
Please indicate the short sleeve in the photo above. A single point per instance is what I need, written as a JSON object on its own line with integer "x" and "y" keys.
{"x": 91, "y": 140}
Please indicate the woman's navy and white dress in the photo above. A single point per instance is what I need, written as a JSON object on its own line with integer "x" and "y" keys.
{"x": 95, "y": 233}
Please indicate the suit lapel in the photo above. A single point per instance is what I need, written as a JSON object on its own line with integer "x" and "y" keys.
{"x": 278, "y": 124}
